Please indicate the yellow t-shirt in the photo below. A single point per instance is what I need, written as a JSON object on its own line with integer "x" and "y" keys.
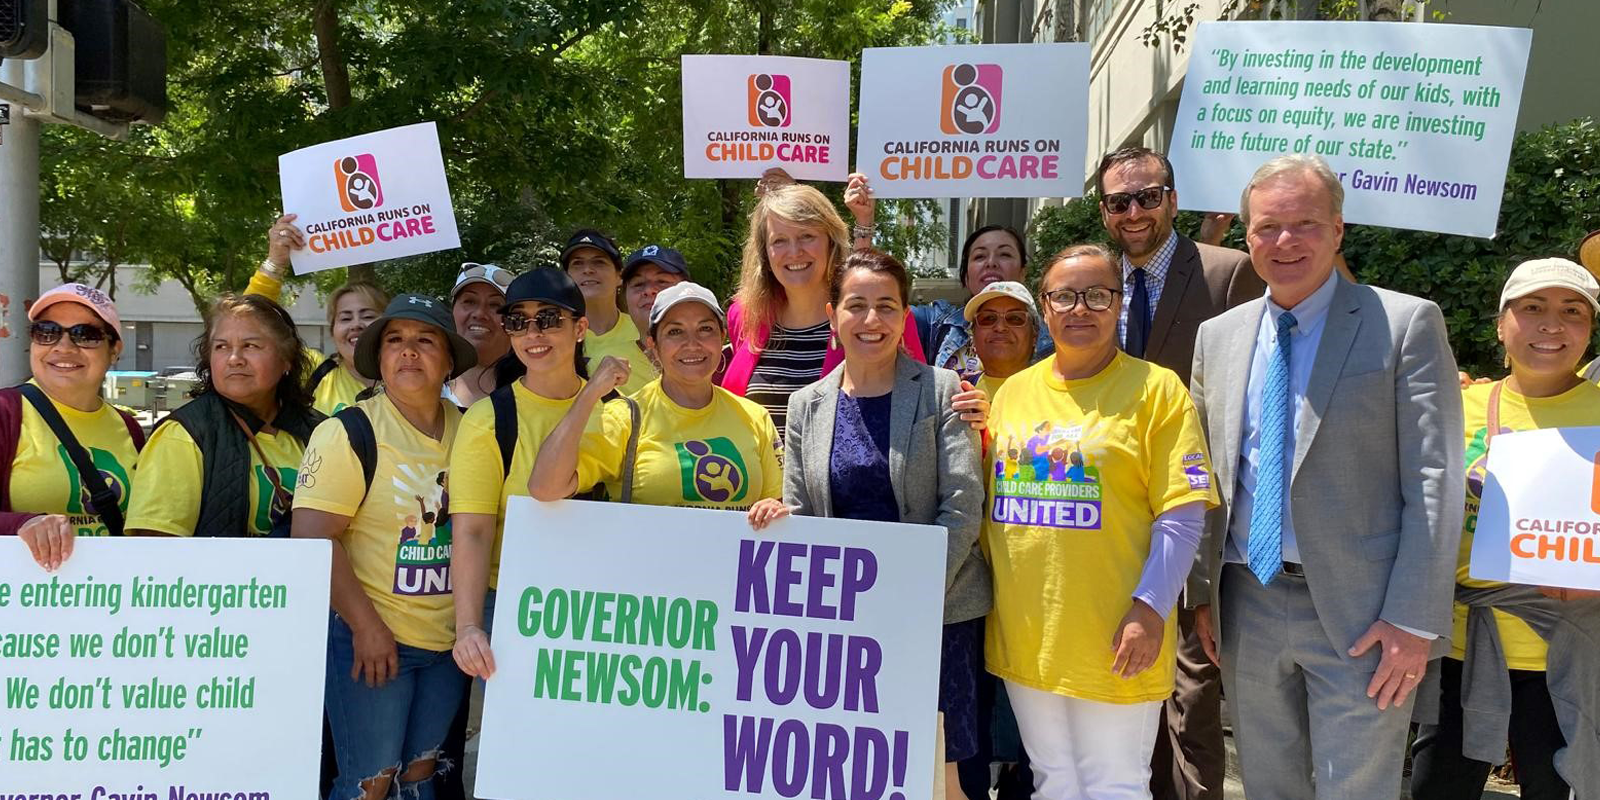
{"x": 43, "y": 479}
{"x": 1087, "y": 466}
{"x": 726, "y": 455}
{"x": 990, "y": 385}
{"x": 337, "y": 390}
{"x": 169, "y": 502}
{"x": 477, "y": 483}
{"x": 1578, "y": 407}
{"x": 398, "y": 539}
{"x": 621, "y": 341}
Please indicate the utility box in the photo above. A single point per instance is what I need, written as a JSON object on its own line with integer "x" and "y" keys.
{"x": 24, "y": 28}
{"x": 121, "y": 59}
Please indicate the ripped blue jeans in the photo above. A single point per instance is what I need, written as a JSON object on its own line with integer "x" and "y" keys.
{"x": 393, "y": 725}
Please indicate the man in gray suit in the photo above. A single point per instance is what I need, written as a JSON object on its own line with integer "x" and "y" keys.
{"x": 1171, "y": 285}
{"x": 1334, "y": 417}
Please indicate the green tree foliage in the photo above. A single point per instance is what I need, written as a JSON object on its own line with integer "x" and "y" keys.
{"x": 553, "y": 114}
{"x": 1552, "y": 199}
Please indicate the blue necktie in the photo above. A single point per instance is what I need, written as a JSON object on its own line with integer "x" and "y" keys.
{"x": 1272, "y": 467}
{"x": 1138, "y": 316}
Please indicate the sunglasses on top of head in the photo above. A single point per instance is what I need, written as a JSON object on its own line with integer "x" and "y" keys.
{"x": 1148, "y": 198}
{"x": 85, "y": 334}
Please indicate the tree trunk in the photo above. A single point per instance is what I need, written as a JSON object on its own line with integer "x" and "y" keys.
{"x": 336, "y": 84}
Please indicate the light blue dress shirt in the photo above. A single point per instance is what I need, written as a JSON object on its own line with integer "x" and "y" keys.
{"x": 1311, "y": 316}
{"x": 1155, "y": 279}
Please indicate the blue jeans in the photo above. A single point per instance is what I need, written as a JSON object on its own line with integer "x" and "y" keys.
{"x": 393, "y": 725}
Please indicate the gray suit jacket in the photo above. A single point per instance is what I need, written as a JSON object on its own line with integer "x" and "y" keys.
{"x": 1378, "y": 473}
{"x": 933, "y": 470}
{"x": 1202, "y": 282}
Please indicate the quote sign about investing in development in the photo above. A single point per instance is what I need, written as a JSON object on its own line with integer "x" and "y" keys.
{"x": 743, "y": 115}
{"x": 368, "y": 198}
{"x": 801, "y": 661}
{"x": 1538, "y": 522}
{"x": 178, "y": 669}
{"x": 1003, "y": 120}
{"x": 1416, "y": 119}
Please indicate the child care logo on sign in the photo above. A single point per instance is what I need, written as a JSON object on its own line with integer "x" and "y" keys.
{"x": 1043, "y": 477}
{"x": 357, "y": 181}
{"x": 971, "y": 100}
{"x": 771, "y": 98}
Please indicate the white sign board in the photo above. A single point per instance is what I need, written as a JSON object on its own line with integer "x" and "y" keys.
{"x": 188, "y": 667}
{"x": 1416, "y": 119}
{"x": 675, "y": 654}
{"x": 1539, "y": 516}
{"x": 368, "y": 198}
{"x": 993, "y": 120}
{"x": 743, "y": 115}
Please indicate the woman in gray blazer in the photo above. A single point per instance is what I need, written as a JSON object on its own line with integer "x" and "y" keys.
{"x": 884, "y": 419}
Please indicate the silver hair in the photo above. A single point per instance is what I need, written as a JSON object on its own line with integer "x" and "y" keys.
{"x": 1283, "y": 165}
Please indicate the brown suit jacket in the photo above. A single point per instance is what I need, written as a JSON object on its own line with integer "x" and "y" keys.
{"x": 1202, "y": 282}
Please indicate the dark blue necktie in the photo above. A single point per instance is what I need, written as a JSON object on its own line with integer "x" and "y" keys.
{"x": 1138, "y": 316}
{"x": 1272, "y": 466}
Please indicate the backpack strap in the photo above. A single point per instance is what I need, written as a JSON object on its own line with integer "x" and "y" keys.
{"x": 101, "y": 497}
{"x": 363, "y": 441}
{"x": 135, "y": 430}
{"x": 323, "y": 370}
{"x": 632, "y": 452}
{"x": 505, "y": 425}
{"x": 1492, "y": 426}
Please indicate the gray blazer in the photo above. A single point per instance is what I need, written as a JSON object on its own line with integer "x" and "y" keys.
{"x": 933, "y": 470}
{"x": 1378, "y": 471}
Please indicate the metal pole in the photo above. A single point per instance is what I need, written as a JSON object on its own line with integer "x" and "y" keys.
{"x": 19, "y": 230}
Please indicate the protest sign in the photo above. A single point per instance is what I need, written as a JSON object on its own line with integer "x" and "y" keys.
{"x": 164, "y": 668}
{"x": 1539, "y": 518}
{"x": 743, "y": 115}
{"x": 673, "y": 653}
{"x": 370, "y": 197}
{"x": 1416, "y": 119}
{"x": 994, "y": 120}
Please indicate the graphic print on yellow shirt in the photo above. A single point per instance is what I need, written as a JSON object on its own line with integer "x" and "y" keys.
{"x": 1078, "y": 472}
{"x": 1576, "y": 408}
{"x": 173, "y": 507}
{"x": 44, "y": 479}
{"x": 336, "y": 391}
{"x": 726, "y": 455}
{"x": 621, "y": 341}
{"x": 399, "y": 536}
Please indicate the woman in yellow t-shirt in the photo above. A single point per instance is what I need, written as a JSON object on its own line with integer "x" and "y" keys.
{"x": 392, "y": 686}
{"x": 543, "y": 374}
{"x": 74, "y": 339}
{"x": 1547, "y": 312}
{"x": 1091, "y": 531}
{"x": 699, "y": 444}
{"x": 224, "y": 464}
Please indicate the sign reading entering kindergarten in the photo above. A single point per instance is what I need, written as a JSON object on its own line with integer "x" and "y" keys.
{"x": 1417, "y": 120}
{"x": 163, "y": 669}
{"x": 743, "y": 115}
{"x": 998, "y": 120}
{"x": 674, "y": 653}
{"x": 369, "y": 198}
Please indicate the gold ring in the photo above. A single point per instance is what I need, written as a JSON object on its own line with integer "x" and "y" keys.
{"x": 1410, "y": 676}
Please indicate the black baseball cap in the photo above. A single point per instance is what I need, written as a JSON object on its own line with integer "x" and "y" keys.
{"x": 589, "y": 237}
{"x": 664, "y": 257}
{"x": 545, "y": 285}
{"x": 417, "y": 308}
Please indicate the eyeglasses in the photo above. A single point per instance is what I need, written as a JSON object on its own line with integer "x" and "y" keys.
{"x": 496, "y": 275}
{"x": 84, "y": 334}
{"x": 1013, "y": 319}
{"x": 1096, "y": 298}
{"x": 1148, "y": 198}
{"x": 544, "y": 319}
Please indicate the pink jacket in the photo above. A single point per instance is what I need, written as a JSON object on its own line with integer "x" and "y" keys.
{"x": 743, "y": 362}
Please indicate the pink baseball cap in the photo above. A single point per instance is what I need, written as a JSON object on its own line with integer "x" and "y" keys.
{"x": 86, "y": 296}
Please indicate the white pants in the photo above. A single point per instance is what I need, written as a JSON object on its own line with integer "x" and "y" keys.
{"x": 1085, "y": 749}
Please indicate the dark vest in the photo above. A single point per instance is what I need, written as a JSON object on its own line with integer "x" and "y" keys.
{"x": 225, "y": 456}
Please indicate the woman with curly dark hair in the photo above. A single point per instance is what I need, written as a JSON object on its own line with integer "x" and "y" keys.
{"x": 225, "y": 464}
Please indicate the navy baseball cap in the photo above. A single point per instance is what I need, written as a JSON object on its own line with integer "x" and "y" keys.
{"x": 545, "y": 285}
{"x": 589, "y": 237}
{"x": 664, "y": 257}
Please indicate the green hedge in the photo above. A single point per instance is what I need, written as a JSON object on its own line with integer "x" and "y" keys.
{"x": 1552, "y": 199}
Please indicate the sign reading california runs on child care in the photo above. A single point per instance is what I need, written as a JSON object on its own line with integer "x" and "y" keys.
{"x": 743, "y": 115}
{"x": 163, "y": 669}
{"x": 1005, "y": 120}
{"x": 1538, "y": 521}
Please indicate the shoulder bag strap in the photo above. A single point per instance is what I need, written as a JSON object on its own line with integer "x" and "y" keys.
{"x": 101, "y": 497}
{"x": 1493, "y": 426}
{"x": 282, "y": 499}
{"x": 631, "y": 454}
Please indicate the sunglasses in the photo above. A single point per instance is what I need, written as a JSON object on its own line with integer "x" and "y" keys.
{"x": 544, "y": 319}
{"x": 84, "y": 334}
{"x": 1013, "y": 319}
{"x": 496, "y": 275}
{"x": 1097, "y": 298}
{"x": 1147, "y": 198}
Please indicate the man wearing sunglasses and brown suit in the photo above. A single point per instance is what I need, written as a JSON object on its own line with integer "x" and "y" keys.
{"x": 1171, "y": 284}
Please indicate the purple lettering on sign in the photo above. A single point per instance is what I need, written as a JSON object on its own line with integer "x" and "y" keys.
{"x": 853, "y": 569}
{"x": 860, "y": 763}
{"x": 750, "y": 592}
{"x": 823, "y": 667}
